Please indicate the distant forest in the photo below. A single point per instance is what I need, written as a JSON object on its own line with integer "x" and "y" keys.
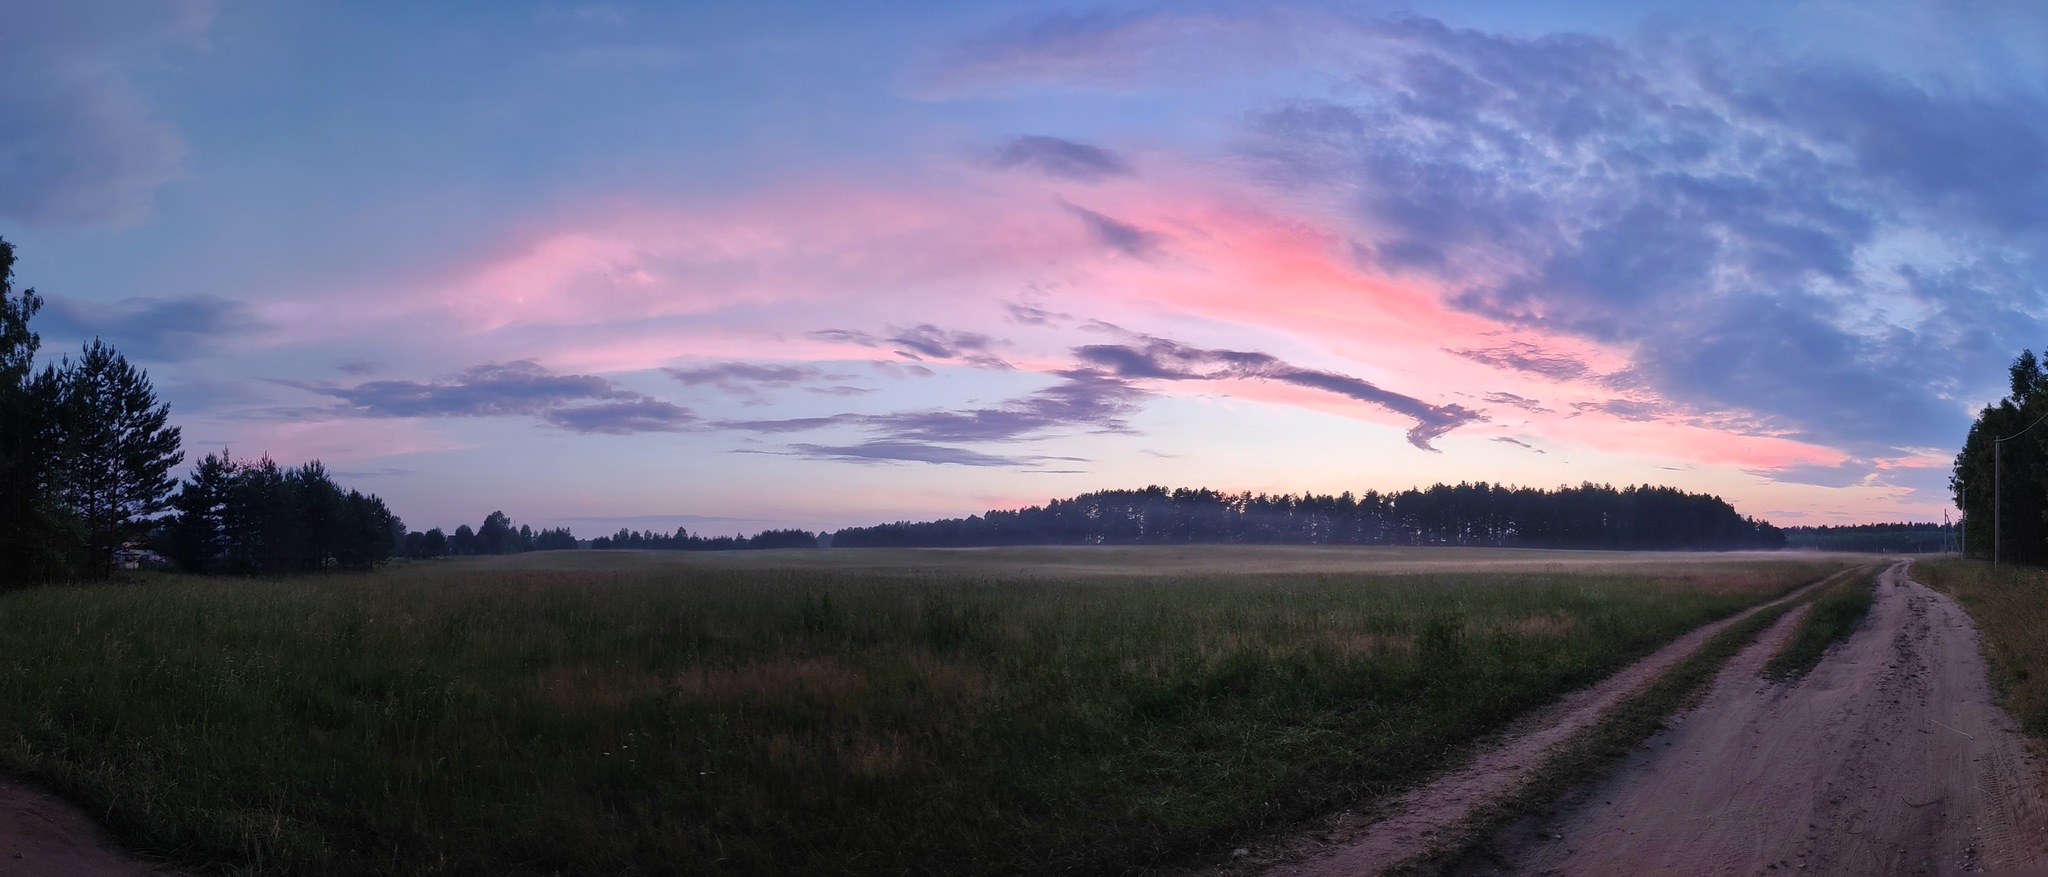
{"x": 1876, "y": 538}
{"x": 683, "y": 540}
{"x": 1587, "y": 516}
{"x": 498, "y": 535}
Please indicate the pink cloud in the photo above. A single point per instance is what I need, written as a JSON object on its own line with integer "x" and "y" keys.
{"x": 1185, "y": 252}
{"x": 801, "y": 244}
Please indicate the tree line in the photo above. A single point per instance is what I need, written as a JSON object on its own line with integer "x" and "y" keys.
{"x": 1472, "y": 514}
{"x": 86, "y": 459}
{"x": 496, "y": 535}
{"x": 2008, "y": 513}
{"x": 255, "y": 517}
{"x": 1912, "y": 538}
{"x": 684, "y": 540}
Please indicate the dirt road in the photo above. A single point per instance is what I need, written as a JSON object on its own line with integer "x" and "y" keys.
{"x": 1889, "y": 758}
{"x": 41, "y": 836}
{"x": 1368, "y": 843}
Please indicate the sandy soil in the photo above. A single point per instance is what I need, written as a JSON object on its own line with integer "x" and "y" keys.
{"x": 1889, "y": 758}
{"x": 1367, "y": 843}
{"x": 41, "y": 836}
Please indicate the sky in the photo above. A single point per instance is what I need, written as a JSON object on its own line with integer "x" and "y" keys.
{"x": 736, "y": 266}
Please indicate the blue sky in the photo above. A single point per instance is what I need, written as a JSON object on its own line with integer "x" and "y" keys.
{"x": 823, "y": 264}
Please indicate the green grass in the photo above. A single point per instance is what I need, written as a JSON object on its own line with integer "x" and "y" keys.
{"x": 1837, "y": 611}
{"x": 825, "y": 712}
{"x": 2010, "y": 608}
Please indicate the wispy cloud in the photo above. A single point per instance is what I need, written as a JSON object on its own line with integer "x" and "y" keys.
{"x": 493, "y": 390}
{"x": 924, "y": 341}
{"x": 1064, "y": 159}
{"x": 622, "y": 418}
{"x": 733, "y": 375}
{"x": 1120, "y": 236}
{"x": 579, "y": 403}
{"x": 1528, "y": 357}
{"x": 151, "y": 329}
{"x": 1161, "y": 359}
{"x": 1627, "y": 409}
{"x": 840, "y": 390}
{"x": 747, "y": 379}
{"x": 1082, "y": 401}
{"x": 892, "y": 451}
{"x": 1526, "y": 404}
{"x": 1034, "y": 315}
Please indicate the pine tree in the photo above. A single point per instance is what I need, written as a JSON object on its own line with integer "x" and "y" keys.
{"x": 201, "y": 537}
{"x": 116, "y": 449}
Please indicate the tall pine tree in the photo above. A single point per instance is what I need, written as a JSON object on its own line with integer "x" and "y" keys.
{"x": 117, "y": 449}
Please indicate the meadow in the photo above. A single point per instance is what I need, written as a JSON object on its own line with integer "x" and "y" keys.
{"x": 870, "y": 711}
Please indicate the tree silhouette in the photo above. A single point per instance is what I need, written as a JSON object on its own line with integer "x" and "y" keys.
{"x": 1469, "y": 514}
{"x": 116, "y": 449}
{"x": 38, "y": 536}
{"x": 2008, "y": 511}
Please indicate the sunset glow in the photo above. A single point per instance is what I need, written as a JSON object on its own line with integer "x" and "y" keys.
{"x": 796, "y": 265}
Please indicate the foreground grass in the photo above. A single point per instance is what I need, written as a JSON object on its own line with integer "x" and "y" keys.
{"x": 2009, "y": 605}
{"x": 646, "y": 717}
{"x": 1836, "y": 612}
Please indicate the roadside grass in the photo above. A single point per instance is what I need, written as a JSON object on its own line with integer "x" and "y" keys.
{"x": 2009, "y": 605}
{"x": 1588, "y": 757}
{"x": 611, "y": 715}
{"x": 1837, "y": 611}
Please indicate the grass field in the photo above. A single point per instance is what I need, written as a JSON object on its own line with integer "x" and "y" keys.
{"x": 2010, "y": 608}
{"x": 1001, "y": 711}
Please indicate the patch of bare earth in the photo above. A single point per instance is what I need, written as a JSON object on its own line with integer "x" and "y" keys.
{"x": 1890, "y": 757}
{"x": 1362, "y": 843}
{"x": 41, "y": 836}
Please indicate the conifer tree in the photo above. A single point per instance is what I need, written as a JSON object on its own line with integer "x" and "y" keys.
{"x": 116, "y": 449}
